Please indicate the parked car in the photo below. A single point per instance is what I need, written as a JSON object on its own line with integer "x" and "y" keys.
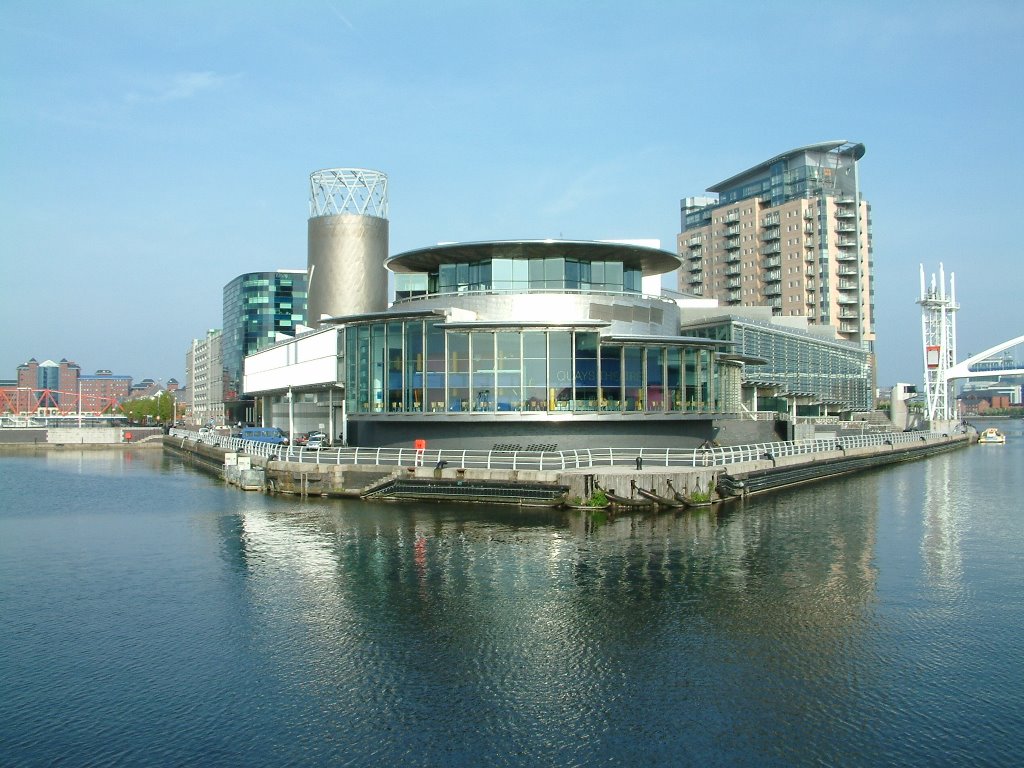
{"x": 316, "y": 442}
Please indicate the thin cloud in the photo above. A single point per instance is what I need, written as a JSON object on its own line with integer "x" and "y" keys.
{"x": 181, "y": 86}
{"x": 339, "y": 14}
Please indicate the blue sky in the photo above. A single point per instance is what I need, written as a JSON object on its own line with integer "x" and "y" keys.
{"x": 151, "y": 152}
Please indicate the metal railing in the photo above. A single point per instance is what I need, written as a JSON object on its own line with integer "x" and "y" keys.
{"x": 711, "y": 456}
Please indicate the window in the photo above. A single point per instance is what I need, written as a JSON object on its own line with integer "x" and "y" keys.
{"x": 482, "y": 396}
{"x": 534, "y": 370}
{"x": 458, "y": 371}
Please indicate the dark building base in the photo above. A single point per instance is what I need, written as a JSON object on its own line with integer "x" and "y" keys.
{"x": 560, "y": 435}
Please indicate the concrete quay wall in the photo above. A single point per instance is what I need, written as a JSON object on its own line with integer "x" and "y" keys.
{"x": 763, "y": 474}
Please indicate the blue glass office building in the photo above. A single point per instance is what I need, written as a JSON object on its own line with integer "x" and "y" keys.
{"x": 258, "y": 306}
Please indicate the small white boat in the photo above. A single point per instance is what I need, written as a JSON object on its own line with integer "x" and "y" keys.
{"x": 991, "y": 436}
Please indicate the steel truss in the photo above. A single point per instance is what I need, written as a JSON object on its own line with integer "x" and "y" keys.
{"x": 359, "y": 191}
{"x": 938, "y": 335}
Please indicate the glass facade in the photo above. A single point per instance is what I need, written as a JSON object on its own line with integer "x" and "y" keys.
{"x": 832, "y": 372}
{"x": 413, "y": 366}
{"x": 258, "y": 306}
{"x": 810, "y": 173}
{"x": 554, "y": 273}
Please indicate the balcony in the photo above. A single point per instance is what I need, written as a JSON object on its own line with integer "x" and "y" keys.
{"x": 844, "y": 271}
{"x": 770, "y": 234}
{"x": 771, "y": 220}
{"x": 773, "y": 290}
{"x": 695, "y": 241}
{"x": 772, "y": 276}
{"x": 696, "y": 266}
{"x": 733, "y": 229}
{"x": 696, "y": 280}
{"x": 731, "y": 217}
{"x": 732, "y": 270}
{"x": 764, "y": 250}
{"x": 845, "y": 227}
{"x": 696, "y": 254}
{"x": 732, "y": 282}
{"x": 732, "y": 244}
{"x": 772, "y": 261}
{"x": 732, "y": 257}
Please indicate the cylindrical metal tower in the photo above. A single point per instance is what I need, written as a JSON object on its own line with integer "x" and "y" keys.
{"x": 347, "y": 243}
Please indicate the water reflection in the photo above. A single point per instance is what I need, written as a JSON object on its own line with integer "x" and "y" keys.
{"x": 823, "y": 625}
{"x": 525, "y": 619}
{"x": 943, "y": 513}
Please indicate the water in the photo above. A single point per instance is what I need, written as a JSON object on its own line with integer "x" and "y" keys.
{"x": 151, "y": 616}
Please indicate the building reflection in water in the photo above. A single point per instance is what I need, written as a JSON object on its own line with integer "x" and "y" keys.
{"x": 944, "y": 513}
{"x": 549, "y": 613}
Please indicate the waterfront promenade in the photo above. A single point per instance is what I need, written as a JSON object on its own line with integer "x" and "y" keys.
{"x": 742, "y": 469}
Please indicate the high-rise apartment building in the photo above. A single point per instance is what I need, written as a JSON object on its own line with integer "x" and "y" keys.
{"x": 792, "y": 233}
{"x": 204, "y": 372}
{"x": 258, "y": 306}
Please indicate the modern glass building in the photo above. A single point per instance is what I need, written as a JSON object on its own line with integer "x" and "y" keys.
{"x": 529, "y": 343}
{"x": 550, "y": 345}
{"x": 258, "y": 306}
{"x": 802, "y": 373}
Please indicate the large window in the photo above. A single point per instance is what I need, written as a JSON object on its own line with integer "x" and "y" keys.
{"x": 417, "y": 366}
{"x": 655, "y": 385}
{"x": 458, "y": 371}
{"x": 586, "y": 371}
{"x": 482, "y": 395}
{"x": 508, "y": 371}
{"x": 535, "y": 363}
{"x": 554, "y": 273}
{"x": 611, "y": 378}
{"x": 436, "y": 398}
{"x": 560, "y": 373}
{"x": 414, "y": 361}
{"x": 632, "y": 364}
{"x": 394, "y": 373}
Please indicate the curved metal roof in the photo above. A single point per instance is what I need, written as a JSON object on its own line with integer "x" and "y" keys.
{"x": 650, "y": 261}
{"x": 857, "y": 150}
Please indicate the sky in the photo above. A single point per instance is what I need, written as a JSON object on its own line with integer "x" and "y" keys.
{"x": 151, "y": 152}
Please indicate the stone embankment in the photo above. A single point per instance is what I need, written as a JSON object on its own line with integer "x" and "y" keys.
{"x": 546, "y": 487}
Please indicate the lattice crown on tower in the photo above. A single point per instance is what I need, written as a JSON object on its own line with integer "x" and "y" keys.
{"x": 348, "y": 190}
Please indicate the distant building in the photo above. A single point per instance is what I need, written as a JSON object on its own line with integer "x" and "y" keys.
{"x": 204, "y": 371}
{"x": 792, "y": 233}
{"x": 54, "y": 385}
{"x": 102, "y": 389}
{"x": 260, "y": 308}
